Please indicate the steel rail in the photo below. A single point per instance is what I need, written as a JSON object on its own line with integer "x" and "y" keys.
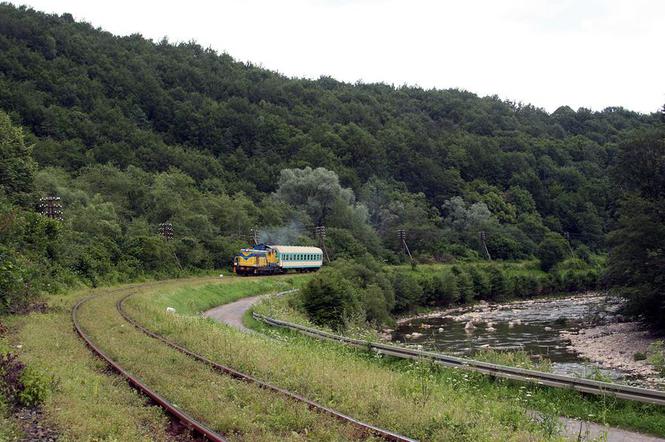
{"x": 187, "y": 420}
{"x": 626, "y": 392}
{"x": 365, "y": 427}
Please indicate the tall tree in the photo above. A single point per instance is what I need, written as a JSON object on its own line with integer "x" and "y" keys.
{"x": 17, "y": 167}
{"x": 637, "y": 246}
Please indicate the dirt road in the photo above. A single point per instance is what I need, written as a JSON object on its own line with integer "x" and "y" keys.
{"x": 233, "y": 312}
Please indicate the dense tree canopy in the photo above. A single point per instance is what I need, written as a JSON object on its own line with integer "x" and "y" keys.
{"x": 131, "y": 133}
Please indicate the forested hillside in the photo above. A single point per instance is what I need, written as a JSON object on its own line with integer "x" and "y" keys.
{"x": 131, "y": 133}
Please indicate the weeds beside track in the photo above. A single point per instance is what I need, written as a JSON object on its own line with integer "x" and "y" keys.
{"x": 170, "y": 408}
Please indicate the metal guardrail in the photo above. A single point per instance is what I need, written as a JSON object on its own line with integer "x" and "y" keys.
{"x": 513, "y": 373}
{"x": 183, "y": 417}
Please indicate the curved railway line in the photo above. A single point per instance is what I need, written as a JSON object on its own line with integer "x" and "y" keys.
{"x": 188, "y": 421}
{"x": 626, "y": 392}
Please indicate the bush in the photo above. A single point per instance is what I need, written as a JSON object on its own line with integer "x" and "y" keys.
{"x": 329, "y": 299}
{"x": 584, "y": 253}
{"x": 466, "y": 288}
{"x": 500, "y": 285}
{"x": 656, "y": 356}
{"x": 35, "y": 387}
{"x": 408, "y": 293}
{"x": 446, "y": 288}
{"x": 14, "y": 281}
{"x": 374, "y": 302}
{"x": 552, "y": 250}
{"x": 20, "y": 384}
{"x": 520, "y": 286}
{"x": 578, "y": 280}
{"x": 482, "y": 287}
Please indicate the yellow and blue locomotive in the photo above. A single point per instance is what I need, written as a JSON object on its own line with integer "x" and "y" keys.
{"x": 264, "y": 259}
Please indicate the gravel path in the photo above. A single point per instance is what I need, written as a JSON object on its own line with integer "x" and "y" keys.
{"x": 232, "y": 314}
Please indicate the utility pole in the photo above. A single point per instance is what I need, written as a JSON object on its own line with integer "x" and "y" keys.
{"x": 254, "y": 235}
{"x": 166, "y": 232}
{"x": 401, "y": 234}
{"x": 51, "y": 207}
{"x": 483, "y": 237}
{"x": 567, "y": 236}
{"x": 320, "y": 233}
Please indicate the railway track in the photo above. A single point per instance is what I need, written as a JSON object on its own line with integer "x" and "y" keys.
{"x": 188, "y": 421}
{"x": 364, "y": 427}
{"x": 513, "y": 373}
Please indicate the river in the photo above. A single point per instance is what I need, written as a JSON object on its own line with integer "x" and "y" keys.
{"x": 534, "y": 326}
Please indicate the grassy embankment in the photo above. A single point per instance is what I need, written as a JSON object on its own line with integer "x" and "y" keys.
{"x": 87, "y": 401}
{"x": 407, "y": 400}
{"x": 90, "y": 403}
{"x": 417, "y": 399}
{"x": 427, "y": 402}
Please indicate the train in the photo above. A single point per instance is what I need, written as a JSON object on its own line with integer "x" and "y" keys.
{"x": 264, "y": 259}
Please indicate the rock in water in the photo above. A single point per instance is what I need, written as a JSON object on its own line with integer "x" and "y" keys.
{"x": 469, "y": 326}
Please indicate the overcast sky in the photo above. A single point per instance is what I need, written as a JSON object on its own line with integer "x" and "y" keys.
{"x": 581, "y": 53}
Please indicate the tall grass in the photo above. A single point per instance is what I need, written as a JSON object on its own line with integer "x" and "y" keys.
{"x": 426, "y": 404}
{"x": 421, "y": 400}
{"x": 88, "y": 402}
{"x": 239, "y": 410}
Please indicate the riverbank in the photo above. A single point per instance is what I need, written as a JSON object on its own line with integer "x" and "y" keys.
{"x": 615, "y": 346}
{"x": 481, "y": 310}
{"x": 575, "y": 332}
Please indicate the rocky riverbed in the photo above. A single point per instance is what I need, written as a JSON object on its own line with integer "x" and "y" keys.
{"x": 582, "y": 334}
{"x": 615, "y": 346}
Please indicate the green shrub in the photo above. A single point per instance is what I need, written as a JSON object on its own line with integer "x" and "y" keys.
{"x": 374, "y": 302}
{"x": 408, "y": 292}
{"x": 482, "y": 285}
{"x": 35, "y": 387}
{"x": 447, "y": 290}
{"x": 656, "y": 356}
{"x": 552, "y": 250}
{"x": 500, "y": 285}
{"x": 329, "y": 298}
{"x": 520, "y": 286}
{"x": 466, "y": 287}
{"x": 591, "y": 279}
